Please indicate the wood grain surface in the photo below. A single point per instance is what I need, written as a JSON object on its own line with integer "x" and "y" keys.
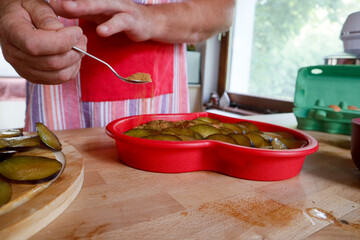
{"x": 120, "y": 202}
{"x": 39, "y": 203}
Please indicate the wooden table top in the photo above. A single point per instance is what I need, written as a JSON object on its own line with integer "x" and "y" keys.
{"x": 119, "y": 202}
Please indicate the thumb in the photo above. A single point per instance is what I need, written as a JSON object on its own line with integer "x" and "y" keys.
{"x": 42, "y": 15}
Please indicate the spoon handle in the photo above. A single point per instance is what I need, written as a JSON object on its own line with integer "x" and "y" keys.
{"x": 88, "y": 54}
{"x": 108, "y": 65}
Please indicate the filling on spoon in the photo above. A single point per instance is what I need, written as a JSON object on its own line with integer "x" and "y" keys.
{"x": 145, "y": 77}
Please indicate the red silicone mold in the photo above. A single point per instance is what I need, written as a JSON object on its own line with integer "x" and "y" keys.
{"x": 233, "y": 160}
{"x": 355, "y": 142}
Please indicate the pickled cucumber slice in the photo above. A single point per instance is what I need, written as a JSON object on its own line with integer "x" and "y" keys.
{"x": 187, "y": 138}
{"x": 4, "y": 154}
{"x": 224, "y": 130}
{"x": 204, "y": 129}
{"x": 5, "y": 193}
{"x": 5, "y": 133}
{"x": 24, "y": 141}
{"x": 293, "y": 143}
{"x": 248, "y": 125}
{"x": 139, "y": 132}
{"x": 29, "y": 168}
{"x": 257, "y": 140}
{"x": 236, "y": 128}
{"x": 243, "y": 133}
{"x": 48, "y": 137}
{"x": 241, "y": 139}
{"x": 285, "y": 135}
{"x": 278, "y": 144}
{"x": 221, "y": 137}
{"x": 178, "y": 131}
{"x": 185, "y": 123}
{"x": 163, "y": 137}
{"x": 3, "y": 143}
{"x": 208, "y": 120}
{"x": 265, "y": 135}
{"x": 158, "y": 125}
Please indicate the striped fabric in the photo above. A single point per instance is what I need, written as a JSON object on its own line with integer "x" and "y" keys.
{"x": 60, "y": 107}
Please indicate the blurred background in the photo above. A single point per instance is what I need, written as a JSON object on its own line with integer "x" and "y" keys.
{"x": 252, "y": 68}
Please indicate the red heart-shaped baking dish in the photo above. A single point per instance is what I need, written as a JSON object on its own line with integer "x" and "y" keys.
{"x": 355, "y": 142}
{"x": 233, "y": 160}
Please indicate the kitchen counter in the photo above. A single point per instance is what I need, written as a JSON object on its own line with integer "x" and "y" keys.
{"x": 120, "y": 202}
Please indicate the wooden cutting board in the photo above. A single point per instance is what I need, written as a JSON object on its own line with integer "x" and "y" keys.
{"x": 32, "y": 207}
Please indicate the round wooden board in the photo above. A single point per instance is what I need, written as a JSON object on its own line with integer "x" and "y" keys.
{"x": 44, "y": 204}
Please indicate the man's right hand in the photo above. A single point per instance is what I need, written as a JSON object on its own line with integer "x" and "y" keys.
{"x": 36, "y": 43}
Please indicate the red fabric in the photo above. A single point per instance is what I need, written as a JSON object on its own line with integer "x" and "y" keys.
{"x": 98, "y": 83}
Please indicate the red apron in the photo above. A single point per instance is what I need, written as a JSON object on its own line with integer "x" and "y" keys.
{"x": 98, "y": 83}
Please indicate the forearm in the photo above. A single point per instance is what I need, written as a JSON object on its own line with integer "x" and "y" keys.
{"x": 190, "y": 21}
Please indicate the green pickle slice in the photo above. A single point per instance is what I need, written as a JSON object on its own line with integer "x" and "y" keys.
{"x": 3, "y": 143}
{"x": 48, "y": 137}
{"x": 5, "y": 192}
{"x": 241, "y": 133}
{"x": 221, "y": 137}
{"x": 4, "y": 154}
{"x": 29, "y": 168}
{"x": 5, "y": 133}
{"x": 163, "y": 137}
{"x": 24, "y": 141}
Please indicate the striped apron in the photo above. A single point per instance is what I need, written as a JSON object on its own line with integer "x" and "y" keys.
{"x": 60, "y": 106}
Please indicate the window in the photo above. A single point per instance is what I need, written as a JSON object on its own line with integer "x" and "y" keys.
{"x": 12, "y": 96}
{"x": 272, "y": 39}
{"x": 6, "y": 70}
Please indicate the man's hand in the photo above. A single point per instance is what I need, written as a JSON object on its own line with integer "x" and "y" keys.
{"x": 187, "y": 21}
{"x": 36, "y": 43}
{"x": 112, "y": 16}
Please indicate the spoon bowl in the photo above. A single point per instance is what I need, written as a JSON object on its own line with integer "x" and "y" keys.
{"x": 145, "y": 79}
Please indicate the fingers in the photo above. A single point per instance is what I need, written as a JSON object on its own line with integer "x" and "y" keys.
{"x": 118, "y": 23}
{"x": 49, "y": 77}
{"x": 53, "y": 62}
{"x": 92, "y": 7}
{"x": 44, "y": 42}
{"x": 17, "y": 29}
{"x": 112, "y": 16}
{"x": 137, "y": 24}
{"x": 51, "y": 69}
{"x": 41, "y": 55}
{"x": 42, "y": 15}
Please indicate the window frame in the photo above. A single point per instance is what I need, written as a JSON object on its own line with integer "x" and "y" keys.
{"x": 243, "y": 103}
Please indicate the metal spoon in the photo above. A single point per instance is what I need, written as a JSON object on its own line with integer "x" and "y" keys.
{"x": 136, "y": 81}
